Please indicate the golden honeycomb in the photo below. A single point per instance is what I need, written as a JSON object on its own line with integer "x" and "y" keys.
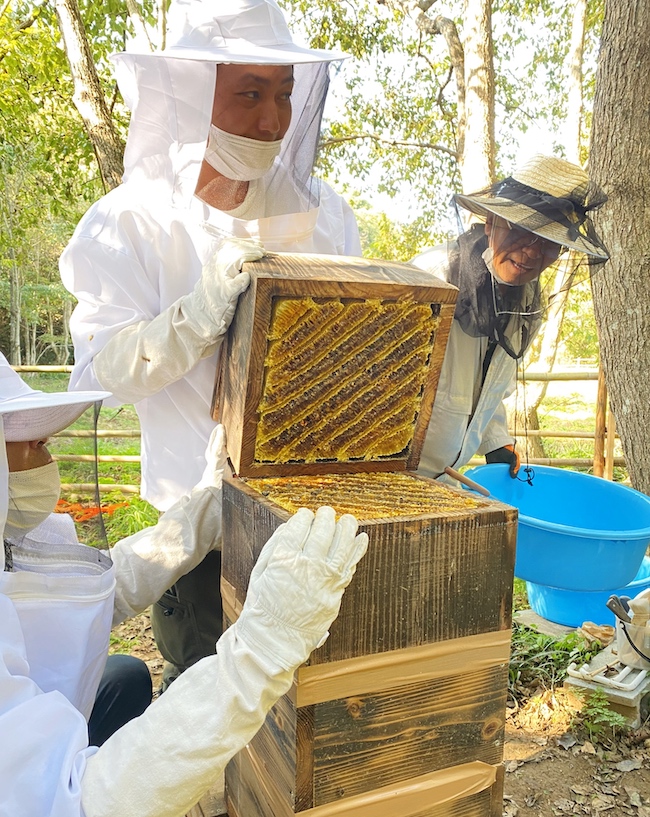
{"x": 342, "y": 379}
{"x": 367, "y": 496}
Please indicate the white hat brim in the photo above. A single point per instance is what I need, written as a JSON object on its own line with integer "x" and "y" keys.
{"x": 42, "y": 414}
{"x": 243, "y": 52}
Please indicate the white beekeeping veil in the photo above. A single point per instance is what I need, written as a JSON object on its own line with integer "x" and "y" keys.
{"x": 27, "y": 414}
{"x": 170, "y": 94}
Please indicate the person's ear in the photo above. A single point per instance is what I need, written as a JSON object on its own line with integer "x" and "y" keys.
{"x": 38, "y": 443}
{"x": 488, "y": 225}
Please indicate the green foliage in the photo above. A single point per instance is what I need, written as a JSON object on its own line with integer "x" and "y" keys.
{"x": 579, "y": 337}
{"x": 120, "y": 645}
{"x": 48, "y": 173}
{"x": 520, "y": 595}
{"x": 542, "y": 660}
{"x": 125, "y": 521}
{"x": 393, "y": 128}
{"x": 395, "y": 133}
{"x": 597, "y": 718}
{"x": 383, "y": 238}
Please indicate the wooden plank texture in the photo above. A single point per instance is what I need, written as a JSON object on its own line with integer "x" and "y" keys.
{"x": 423, "y": 580}
{"x": 346, "y": 746}
{"x": 251, "y": 792}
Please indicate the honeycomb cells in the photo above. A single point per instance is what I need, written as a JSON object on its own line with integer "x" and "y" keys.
{"x": 367, "y": 496}
{"x": 342, "y": 379}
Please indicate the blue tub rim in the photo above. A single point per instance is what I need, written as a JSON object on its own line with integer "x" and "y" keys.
{"x": 556, "y": 527}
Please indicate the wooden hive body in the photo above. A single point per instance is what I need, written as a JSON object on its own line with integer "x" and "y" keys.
{"x": 402, "y": 710}
{"x": 364, "y": 345}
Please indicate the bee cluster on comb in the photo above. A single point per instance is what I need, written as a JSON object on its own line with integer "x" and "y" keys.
{"x": 343, "y": 380}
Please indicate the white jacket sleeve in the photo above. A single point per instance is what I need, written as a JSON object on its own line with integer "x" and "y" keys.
{"x": 150, "y": 561}
{"x": 160, "y": 764}
{"x": 44, "y": 738}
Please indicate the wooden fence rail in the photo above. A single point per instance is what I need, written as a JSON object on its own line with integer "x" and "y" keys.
{"x": 604, "y": 434}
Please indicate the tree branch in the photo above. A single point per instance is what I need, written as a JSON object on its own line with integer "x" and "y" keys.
{"x": 25, "y": 24}
{"x": 392, "y": 142}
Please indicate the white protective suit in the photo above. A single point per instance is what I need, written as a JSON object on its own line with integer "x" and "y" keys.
{"x": 144, "y": 245}
{"x": 57, "y": 604}
{"x": 467, "y": 418}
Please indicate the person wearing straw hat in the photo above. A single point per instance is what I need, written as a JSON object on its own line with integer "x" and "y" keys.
{"x": 59, "y": 599}
{"x": 534, "y": 237}
{"x": 224, "y": 130}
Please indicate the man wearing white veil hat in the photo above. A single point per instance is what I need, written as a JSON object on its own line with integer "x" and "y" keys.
{"x": 505, "y": 267}
{"x": 59, "y": 598}
{"x": 218, "y": 168}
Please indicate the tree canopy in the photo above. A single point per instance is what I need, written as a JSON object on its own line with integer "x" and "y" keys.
{"x": 393, "y": 132}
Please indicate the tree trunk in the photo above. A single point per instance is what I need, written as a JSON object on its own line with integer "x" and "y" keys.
{"x": 472, "y": 63}
{"x": 535, "y": 392}
{"x": 574, "y": 89}
{"x": 620, "y": 163}
{"x": 477, "y": 158}
{"x": 163, "y": 6}
{"x": 138, "y": 23}
{"x": 65, "y": 357}
{"x": 15, "y": 310}
{"x": 88, "y": 96}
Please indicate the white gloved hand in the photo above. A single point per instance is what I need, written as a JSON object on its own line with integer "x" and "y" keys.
{"x": 296, "y": 586}
{"x": 211, "y": 306}
{"x": 216, "y": 458}
{"x": 143, "y": 358}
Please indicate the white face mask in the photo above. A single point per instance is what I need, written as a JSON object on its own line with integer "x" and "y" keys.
{"x": 238, "y": 157}
{"x": 488, "y": 257}
{"x": 33, "y": 495}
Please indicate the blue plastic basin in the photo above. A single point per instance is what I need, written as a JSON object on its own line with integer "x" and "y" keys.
{"x": 573, "y": 607}
{"x": 576, "y": 531}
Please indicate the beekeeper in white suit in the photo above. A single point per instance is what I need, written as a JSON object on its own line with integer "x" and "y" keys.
{"x": 58, "y": 599}
{"x": 223, "y": 136}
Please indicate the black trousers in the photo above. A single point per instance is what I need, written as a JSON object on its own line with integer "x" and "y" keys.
{"x": 188, "y": 620}
{"x": 124, "y": 693}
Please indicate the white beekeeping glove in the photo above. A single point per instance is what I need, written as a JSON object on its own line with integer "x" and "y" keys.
{"x": 143, "y": 358}
{"x": 161, "y": 763}
{"x": 211, "y": 306}
{"x": 296, "y": 586}
{"x": 216, "y": 460}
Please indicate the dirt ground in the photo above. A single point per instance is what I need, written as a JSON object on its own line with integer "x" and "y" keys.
{"x": 550, "y": 772}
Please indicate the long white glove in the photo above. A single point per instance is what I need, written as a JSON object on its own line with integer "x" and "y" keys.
{"x": 143, "y": 358}
{"x": 150, "y": 561}
{"x": 160, "y": 764}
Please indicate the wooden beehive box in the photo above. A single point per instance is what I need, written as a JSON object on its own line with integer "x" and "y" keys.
{"x": 401, "y": 711}
{"x": 331, "y": 365}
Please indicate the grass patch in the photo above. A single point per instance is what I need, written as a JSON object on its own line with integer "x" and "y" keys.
{"x": 520, "y": 595}
{"x": 597, "y": 718}
{"x": 539, "y": 661}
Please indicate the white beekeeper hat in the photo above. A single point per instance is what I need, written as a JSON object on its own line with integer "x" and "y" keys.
{"x": 28, "y": 414}
{"x": 248, "y": 32}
